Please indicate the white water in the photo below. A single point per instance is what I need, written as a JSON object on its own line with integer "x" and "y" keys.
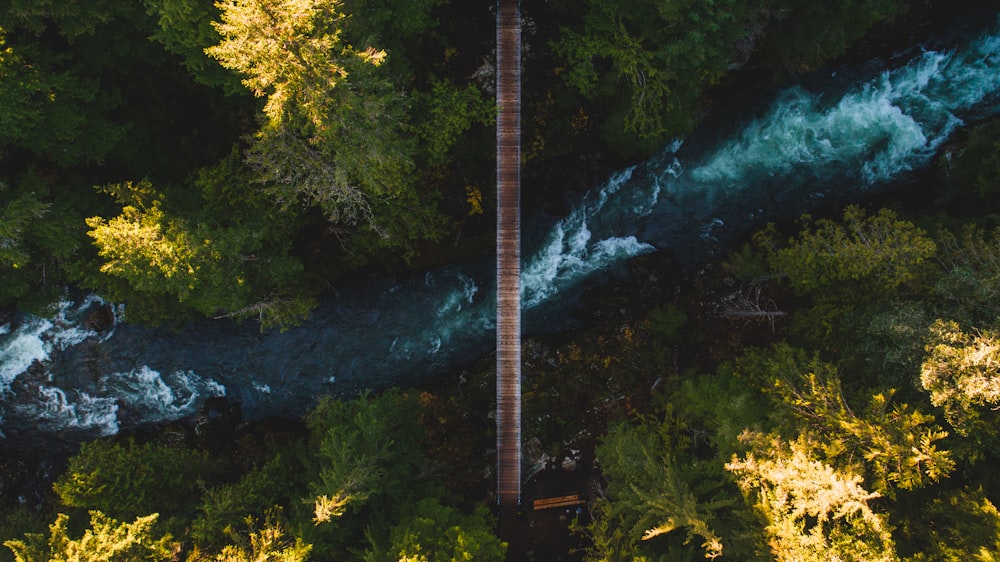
{"x": 37, "y": 338}
{"x": 572, "y": 251}
{"x": 808, "y": 145}
{"x": 141, "y": 393}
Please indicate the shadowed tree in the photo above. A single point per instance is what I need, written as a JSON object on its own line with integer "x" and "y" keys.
{"x": 647, "y": 497}
{"x": 435, "y": 532}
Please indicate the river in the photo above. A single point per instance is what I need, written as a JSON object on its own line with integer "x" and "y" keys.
{"x": 844, "y": 136}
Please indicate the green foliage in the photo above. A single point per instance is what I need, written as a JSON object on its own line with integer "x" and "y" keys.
{"x": 666, "y": 321}
{"x": 38, "y": 243}
{"x": 185, "y": 28}
{"x": 168, "y": 258}
{"x": 812, "y": 511}
{"x": 289, "y": 52}
{"x": 406, "y": 220}
{"x": 332, "y": 125}
{"x": 368, "y": 450}
{"x": 875, "y": 253}
{"x": 106, "y": 540}
{"x": 747, "y": 264}
{"x": 971, "y": 283}
{"x": 665, "y": 53}
{"x": 396, "y": 25}
{"x": 124, "y": 480}
{"x": 265, "y": 544}
{"x": 364, "y": 455}
{"x": 368, "y": 137}
{"x": 891, "y": 341}
{"x": 437, "y": 533}
{"x": 895, "y": 443}
{"x": 72, "y": 18}
{"x": 215, "y": 265}
{"x": 53, "y": 108}
{"x": 956, "y": 526}
{"x": 17, "y": 216}
{"x": 962, "y": 374}
{"x": 225, "y": 506}
{"x": 647, "y": 496}
{"x": 651, "y": 62}
{"x": 801, "y": 35}
{"x": 24, "y": 522}
{"x": 445, "y": 113}
{"x": 723, "y": 406}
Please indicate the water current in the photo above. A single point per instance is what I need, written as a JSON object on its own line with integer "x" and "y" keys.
{"x": 844, "y": 138}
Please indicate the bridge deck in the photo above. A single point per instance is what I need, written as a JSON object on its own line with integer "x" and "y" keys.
{"x": 508, "y": 253}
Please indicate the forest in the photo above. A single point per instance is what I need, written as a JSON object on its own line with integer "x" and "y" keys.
{"x": 824, "y": 391}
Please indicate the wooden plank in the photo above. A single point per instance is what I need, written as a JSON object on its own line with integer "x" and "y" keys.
{"x": 508, "y": 253}
{"x": 561, "y": 501}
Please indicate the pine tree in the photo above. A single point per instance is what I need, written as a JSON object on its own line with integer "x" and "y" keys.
{"x": 107, "y": 540}
{"x": 812, "y": 512}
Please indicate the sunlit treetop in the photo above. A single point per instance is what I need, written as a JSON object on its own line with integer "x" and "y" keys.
{"x": 289, "y": 51}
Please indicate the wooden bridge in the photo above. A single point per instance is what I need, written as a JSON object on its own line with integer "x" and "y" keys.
{"x": 508, "y": 417}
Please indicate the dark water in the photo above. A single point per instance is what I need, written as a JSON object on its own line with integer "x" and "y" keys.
{"x": 837, "y": 139}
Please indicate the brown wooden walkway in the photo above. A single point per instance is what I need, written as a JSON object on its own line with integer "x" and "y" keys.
{"x": 508, "y": 254}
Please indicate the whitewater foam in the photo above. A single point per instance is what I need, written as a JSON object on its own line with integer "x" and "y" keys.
{"x": 35, "y": 338}
{"x": 54, "y": 410}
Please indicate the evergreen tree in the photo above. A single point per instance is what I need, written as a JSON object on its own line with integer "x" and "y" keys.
{"x": 896, "y": 444}
{"x": 970, "y": 286}
{"x": 812, "y": 511}
{"x": 647, "y": 496}
{"x": 107, "y": 540}
{"x": 876, "y": 254}
{"x": 955, "y": 526}
{"x": 125, "y": 480}
{"x": 225, "y": 259}
{"x": 368, "y": 450}
{"x": 185, "y": 28}
{"x": 332, "y": 126}
{"x": 962, "y": 375}
{"x": 266, "y": 544}
{"x": 665, "y": 53}
{"x": 436, "y": 533}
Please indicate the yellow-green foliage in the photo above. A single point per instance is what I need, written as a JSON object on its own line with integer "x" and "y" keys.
{"x": 215, "y": 266}
{"x": 812, "y": 512}
{"x": 874, "y": 253}
{"x": 106, "y": 540}
{"x": 896, "y": 445}
{"x": 962, "y": 374}
{"x": 324, "y": 102}
{"x": 268, "y": 544}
